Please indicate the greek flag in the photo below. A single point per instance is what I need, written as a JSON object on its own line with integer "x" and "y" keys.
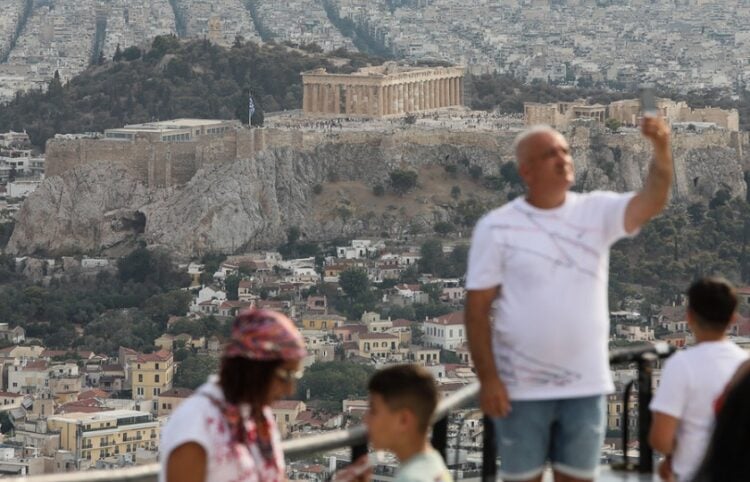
{"x": 250, "y": 108}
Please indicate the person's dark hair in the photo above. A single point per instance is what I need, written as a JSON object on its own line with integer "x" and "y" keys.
{"x": 728, "y": 455}
{"x": 713, "y": 302}
{"x": 247, "y": 381}
{"x": 408, "y": 387}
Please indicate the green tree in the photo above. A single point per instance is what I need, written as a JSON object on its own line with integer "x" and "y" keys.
{"x": 131, "y": 53}
{"x": 334, "y": 381}
{"x": 194, "y": 370}
{"x": 354, "y": 283}
{"x": 160, "y": 307}
{"x": 232, "y": 286}
{"x": 118, "y": 54}
{"x": 444, "y": 228}
{"x": 431, "y": 253}
{"x": 613, "y": 124}
{"x": 403, "y": 181}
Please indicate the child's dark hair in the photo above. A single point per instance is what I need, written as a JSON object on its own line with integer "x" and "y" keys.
{"x": 408, "y": 387}
{"x": 713, "y": 302}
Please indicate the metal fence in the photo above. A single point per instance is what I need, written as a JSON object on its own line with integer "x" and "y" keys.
{"x": 644, "y": 356}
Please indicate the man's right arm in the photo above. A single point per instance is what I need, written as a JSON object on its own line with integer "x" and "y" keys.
{"x": 493, "y": 396}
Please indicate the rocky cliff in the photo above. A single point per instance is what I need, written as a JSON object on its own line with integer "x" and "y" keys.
{"x": 101, "y": 207}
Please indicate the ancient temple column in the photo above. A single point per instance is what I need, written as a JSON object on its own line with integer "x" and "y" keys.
{"x": 336, "y": 98}
{"x": 460, "y": 91}
{"x": 381, "y": 100}
{"x": 430, "y": 94}
{"x": 327, "y": 98}
{"x": 444, "y": 92}
{"x": 388, "y": 100}
{"x": 314, "y": 98}
{"x": 422, "y": 95}
{"x": 306, "y": 98}
{"x": 348, "y": 98}
{"x": 374, "y": 100}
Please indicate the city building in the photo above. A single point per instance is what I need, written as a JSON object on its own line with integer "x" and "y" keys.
{"x": 94, "y": 436}
{"x": 151, "y": 374}
{"x": 447, "y": 331}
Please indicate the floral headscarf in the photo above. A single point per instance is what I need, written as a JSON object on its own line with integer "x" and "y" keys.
{"x": 265, "y": 335}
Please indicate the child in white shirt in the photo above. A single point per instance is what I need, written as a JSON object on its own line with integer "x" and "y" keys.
{"x": 692, "y": 381}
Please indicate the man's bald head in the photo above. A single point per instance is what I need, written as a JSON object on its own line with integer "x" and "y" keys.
{"x": 524, "y": 139}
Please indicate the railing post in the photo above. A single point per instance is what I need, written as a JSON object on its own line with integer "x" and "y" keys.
{"x": 440, "y": 436}
{"x": 625, "y": 427}
{"x": 645, "y": 370}
{"x": 489, "y": 451}
{"x": 358, "y": 451}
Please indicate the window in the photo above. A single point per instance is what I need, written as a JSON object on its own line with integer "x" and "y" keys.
{"x": 156, "y": 378}
{"x": 157, "y": 366}
{"x": 157, "y": 391}
{"x": 140, "y": 377}
{"x": 286, "y": 417}
{"x": 139, "y": 391}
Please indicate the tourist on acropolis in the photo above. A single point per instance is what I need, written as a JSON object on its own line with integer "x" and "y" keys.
{"x": 226, "y": 431}
{"x": 536, "y": 308}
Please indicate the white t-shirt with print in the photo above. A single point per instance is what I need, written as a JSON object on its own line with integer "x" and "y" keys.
{"x": 691, "y": 382}
{"x": 198, "y": 420}
{"x": 551, "y": 321}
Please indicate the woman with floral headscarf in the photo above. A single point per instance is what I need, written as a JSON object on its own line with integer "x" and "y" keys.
{"x": 226, "y": 431}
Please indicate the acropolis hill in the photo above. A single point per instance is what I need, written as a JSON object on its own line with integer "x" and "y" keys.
{"x": 245, "y": 187}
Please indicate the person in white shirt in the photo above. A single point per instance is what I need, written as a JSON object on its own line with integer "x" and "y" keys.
{"x": 693, "y": 381}
{"x": 225, "y": 431}
{"x": 542, "y": 260}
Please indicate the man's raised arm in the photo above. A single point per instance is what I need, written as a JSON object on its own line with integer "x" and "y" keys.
{"x": 493, "y": 396}
{"x": 652, "y": 199}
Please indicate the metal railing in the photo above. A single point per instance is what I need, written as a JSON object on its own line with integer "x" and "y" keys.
{"x": 356, "y": 438}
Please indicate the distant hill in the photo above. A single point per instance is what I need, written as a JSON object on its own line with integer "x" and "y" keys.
{"x": 174, "y": 79}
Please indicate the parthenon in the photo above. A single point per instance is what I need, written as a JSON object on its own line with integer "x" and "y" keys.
{"x": 382, "y": 91}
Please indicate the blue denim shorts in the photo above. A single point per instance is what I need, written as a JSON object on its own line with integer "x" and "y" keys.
{"x": 568, "y": 433}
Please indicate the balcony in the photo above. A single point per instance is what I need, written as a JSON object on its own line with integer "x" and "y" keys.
{"x": 356, "y": 438}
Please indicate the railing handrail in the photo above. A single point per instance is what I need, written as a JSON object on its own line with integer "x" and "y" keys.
{"x": 355, "y": 436}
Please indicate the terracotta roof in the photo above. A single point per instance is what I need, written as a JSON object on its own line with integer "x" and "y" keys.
{"x": 94, "y": 393}
{"x": 455, "y": 318}
{"x": 36, "y": 365}
{"x": 401, "y": 323}
{"x": 286, "y": 404}
{"x": 53, "y": 353}
{"x": 159, "y": 356}
{"x": 235, "y": 304}
{"x": 352, "y": 328}
{"x": 377, "y": 336}
{"x": 177, "y": 393}
{"x": 11, "y": 395}
{"x": 245, "y": 283}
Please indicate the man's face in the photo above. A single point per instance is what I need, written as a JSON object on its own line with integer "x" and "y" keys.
{"x": 546, "y": 163}
{"x": 383, "y": 424}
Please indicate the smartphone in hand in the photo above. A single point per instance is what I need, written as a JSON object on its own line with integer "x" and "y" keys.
{"x": 648, "y": 101}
